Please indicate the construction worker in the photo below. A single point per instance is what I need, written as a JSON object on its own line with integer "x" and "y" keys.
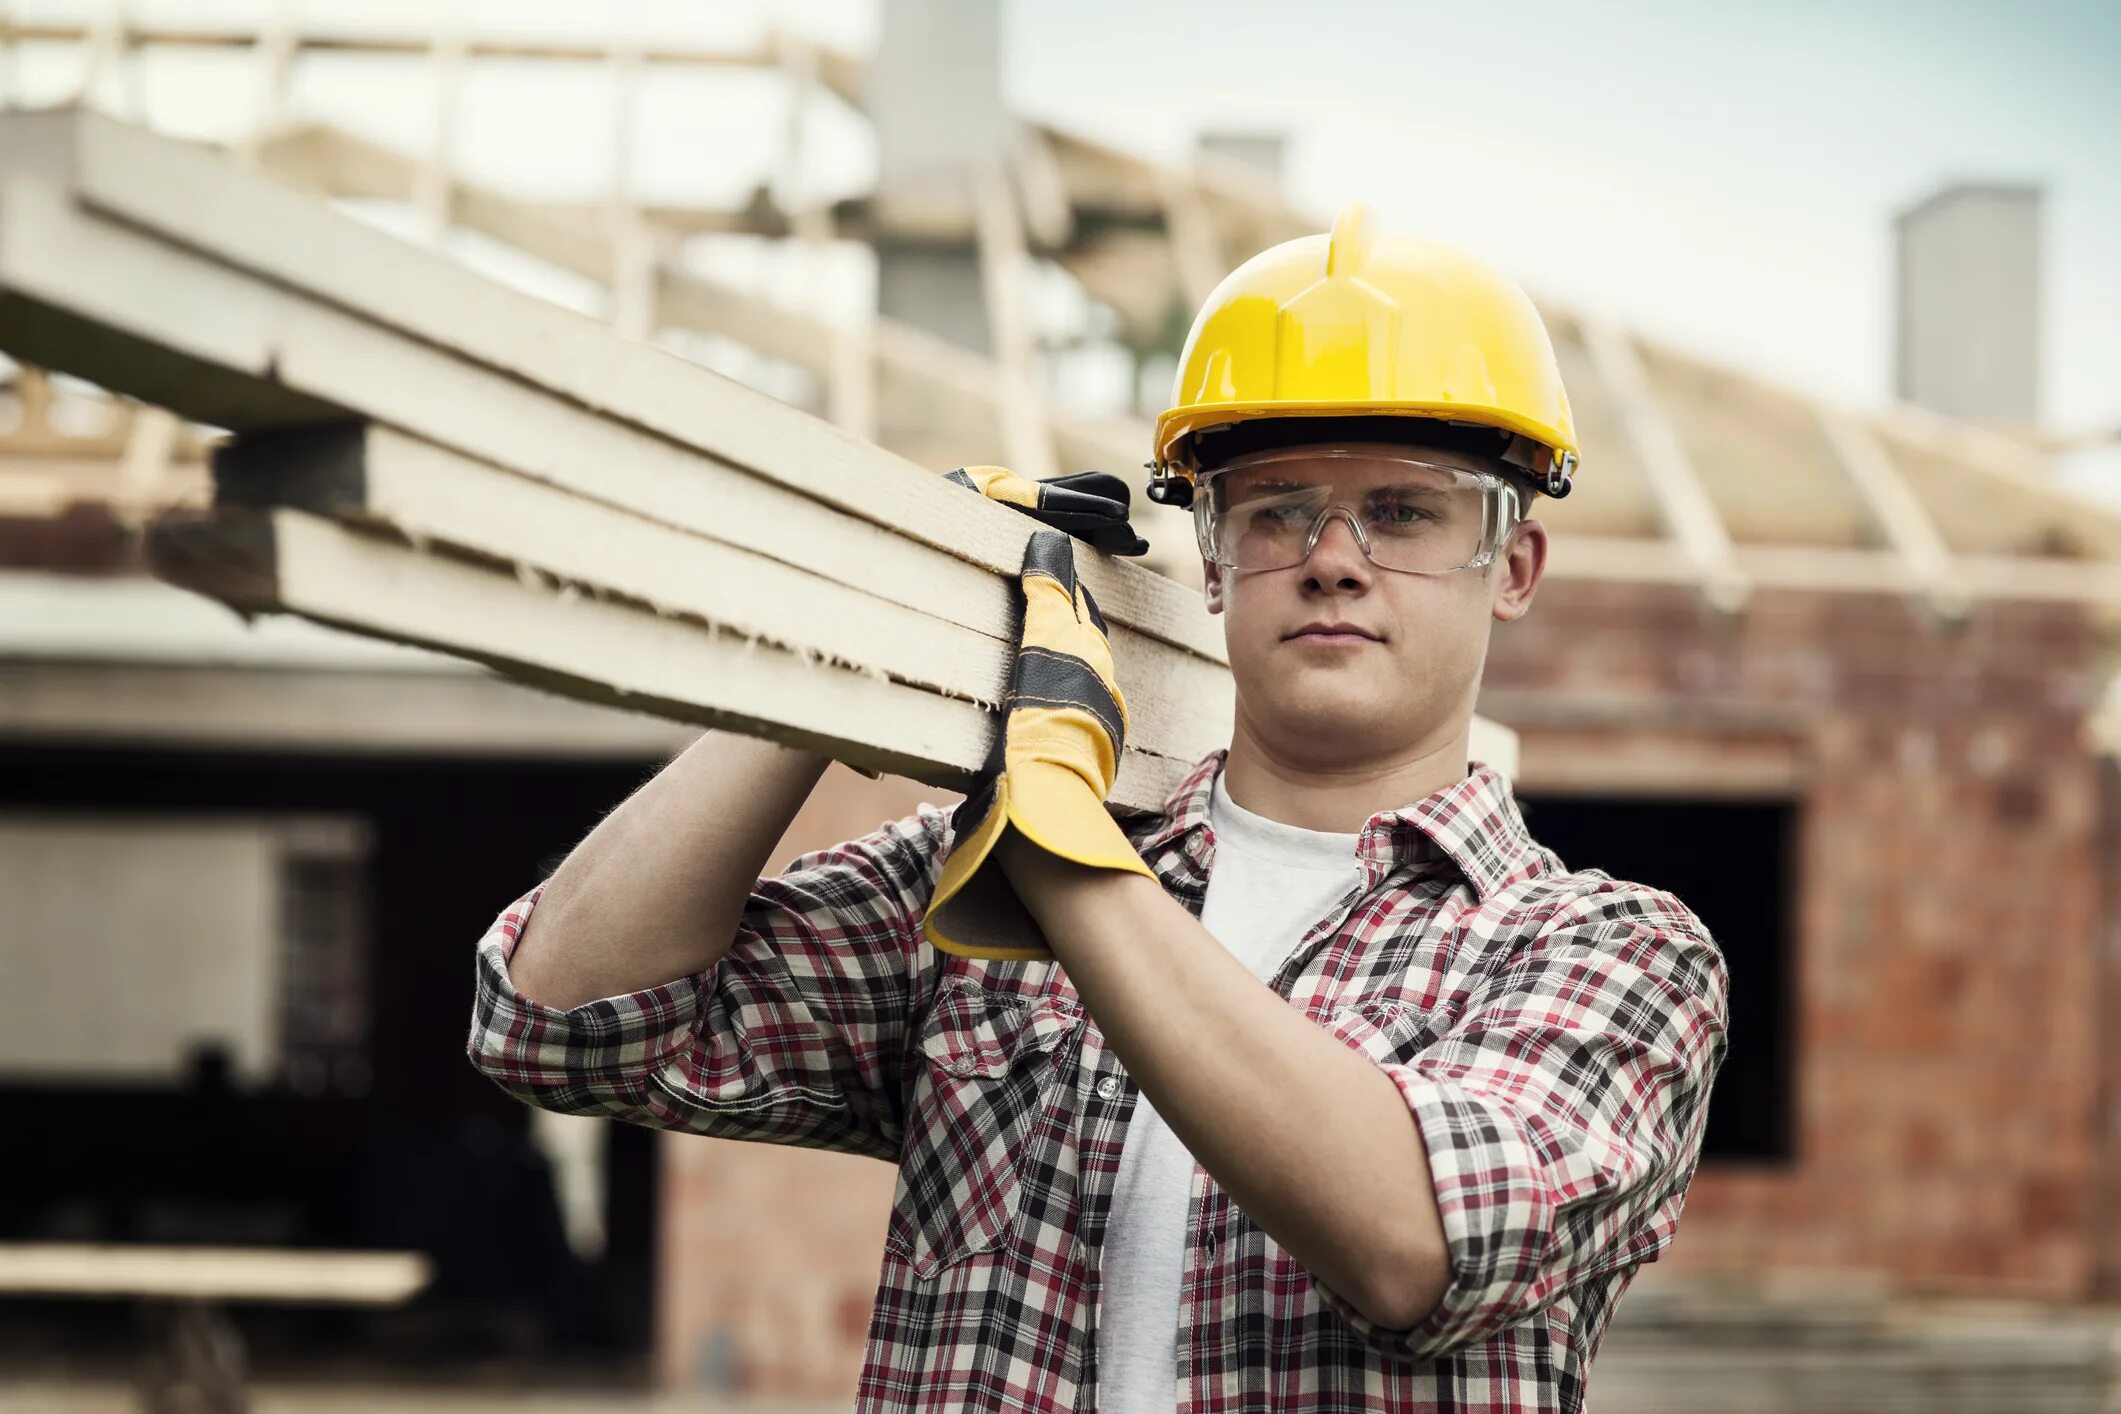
{"x": 1327, "y": 1087}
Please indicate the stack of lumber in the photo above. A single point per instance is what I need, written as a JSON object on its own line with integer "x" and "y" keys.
{"x": 424, "y": 455}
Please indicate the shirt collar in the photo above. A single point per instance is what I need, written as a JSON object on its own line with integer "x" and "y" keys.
{"x": 1474, "y": 822}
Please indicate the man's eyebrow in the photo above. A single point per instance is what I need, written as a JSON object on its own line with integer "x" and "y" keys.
{"x": 1410, "y": 488}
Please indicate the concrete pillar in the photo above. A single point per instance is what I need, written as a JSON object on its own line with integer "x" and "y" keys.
{"x": 935, "y": 94}
{"x": 1968, "y": 336}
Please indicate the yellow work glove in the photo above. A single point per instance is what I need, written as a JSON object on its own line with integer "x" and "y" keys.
{"x": 1050, "y": 769}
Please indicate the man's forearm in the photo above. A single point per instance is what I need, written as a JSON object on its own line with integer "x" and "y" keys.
{"x": 656, "y": 890}
{"x": 1309, "y": 1138}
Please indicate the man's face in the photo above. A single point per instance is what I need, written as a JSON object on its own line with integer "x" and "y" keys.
{"x": 1408, "y": 672}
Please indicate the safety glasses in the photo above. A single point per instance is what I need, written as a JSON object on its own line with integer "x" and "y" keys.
{"x": 1266, "y": 511}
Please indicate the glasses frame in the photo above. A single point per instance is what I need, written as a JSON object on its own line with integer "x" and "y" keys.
{"x": 1502, "y": 508}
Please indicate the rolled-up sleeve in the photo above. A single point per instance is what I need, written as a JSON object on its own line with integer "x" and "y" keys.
{"x": 1563, "y": 1113}
{"x": 794, "y": 1037}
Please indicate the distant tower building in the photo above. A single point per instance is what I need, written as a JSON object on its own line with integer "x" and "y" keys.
{"x": 1968, "y": 338}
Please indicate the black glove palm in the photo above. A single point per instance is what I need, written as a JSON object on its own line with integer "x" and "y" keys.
{"x": 1092, "y": 506}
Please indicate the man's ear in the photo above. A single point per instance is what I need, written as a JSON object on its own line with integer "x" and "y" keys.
{"x": 1518, "y": 570}
{"x": 1211, "y": 585}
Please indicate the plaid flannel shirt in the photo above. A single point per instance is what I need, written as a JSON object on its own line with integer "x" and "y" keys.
{"x": 1554, "y": 1035}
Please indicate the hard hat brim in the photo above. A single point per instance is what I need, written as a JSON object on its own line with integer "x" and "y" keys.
{"x": 1175, "y": 429}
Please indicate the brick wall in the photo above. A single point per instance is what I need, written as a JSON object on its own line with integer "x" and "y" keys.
{"x": 1948, "y": 980}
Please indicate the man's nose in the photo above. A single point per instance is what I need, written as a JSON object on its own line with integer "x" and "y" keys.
{"x": 1337, "y": 559}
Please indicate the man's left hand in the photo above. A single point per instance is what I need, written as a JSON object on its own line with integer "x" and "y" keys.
{"x": 1054, "y": 760}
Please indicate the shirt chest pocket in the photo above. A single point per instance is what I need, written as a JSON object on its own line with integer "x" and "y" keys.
{"x": 989, "y": 1064}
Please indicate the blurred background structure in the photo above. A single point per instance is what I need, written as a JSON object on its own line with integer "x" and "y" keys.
{"x": 1837, "y": 674}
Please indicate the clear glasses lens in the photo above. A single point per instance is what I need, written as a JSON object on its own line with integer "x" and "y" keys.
{"x": 1263, "y": 513}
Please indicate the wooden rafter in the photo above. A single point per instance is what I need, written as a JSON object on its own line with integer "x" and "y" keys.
{"x": 1682, "y": 501}
{"x": 1196, "y": 248}
{"x": 1005, "y": 270}
{"x": 275, "y": 62}
{"x": 1049, "y": 214}
{"x": 850, "y": 352}
{"x": 1896, "y": 513}
{"x": 843, "y": 74}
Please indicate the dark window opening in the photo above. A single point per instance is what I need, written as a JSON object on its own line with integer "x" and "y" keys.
{"x": 1732, "y": 863}
{"x": 374, "y": 1131}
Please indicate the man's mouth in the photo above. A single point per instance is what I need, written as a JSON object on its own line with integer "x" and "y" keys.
{"x": 1342, "y": 634}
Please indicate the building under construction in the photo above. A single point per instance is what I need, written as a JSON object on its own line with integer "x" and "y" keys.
{"x": 1835, "y": 677}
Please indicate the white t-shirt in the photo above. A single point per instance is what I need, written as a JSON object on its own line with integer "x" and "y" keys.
{"x": 1268, "y": 885}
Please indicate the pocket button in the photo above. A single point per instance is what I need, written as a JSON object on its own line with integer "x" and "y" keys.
{"x": 1108, "y": 1088}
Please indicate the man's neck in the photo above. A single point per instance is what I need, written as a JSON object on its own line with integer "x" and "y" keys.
{"x": 1338, "y": 798}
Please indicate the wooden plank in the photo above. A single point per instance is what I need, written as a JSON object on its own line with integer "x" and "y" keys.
{"x": 303, "y": 1275}
{"x": 1682, "y": 499}
{"x": 432, "y": 394}
{"x": 1179, "y": 704}
{"x": 290, "y": 562}
{"x": 206, "y": 203}
{"x": 962, "y": 383}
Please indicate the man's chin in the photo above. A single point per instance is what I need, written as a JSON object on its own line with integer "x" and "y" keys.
{"x": 1340, "y": 722}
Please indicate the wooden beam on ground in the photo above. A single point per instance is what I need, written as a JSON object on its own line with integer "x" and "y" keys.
{"x": 1682, "y": 500}
{"x": 1896, "y": 513}
{"x": 305, "y": 1275}
{"x": 157, "y": 269}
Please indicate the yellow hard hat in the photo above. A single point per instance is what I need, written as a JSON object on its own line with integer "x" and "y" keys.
{"x": 1354, "y": 325}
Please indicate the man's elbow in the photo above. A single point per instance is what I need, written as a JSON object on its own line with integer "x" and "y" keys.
{"x": 1407, "y": 1283}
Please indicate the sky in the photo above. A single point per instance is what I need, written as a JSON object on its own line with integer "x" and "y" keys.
{"x": 1722, "y": 176}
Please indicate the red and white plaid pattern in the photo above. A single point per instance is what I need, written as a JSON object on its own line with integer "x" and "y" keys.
{"x": 1555, "y": 1035}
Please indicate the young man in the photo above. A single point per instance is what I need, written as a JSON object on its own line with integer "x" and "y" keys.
{"x": 1326, "y": 1088}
